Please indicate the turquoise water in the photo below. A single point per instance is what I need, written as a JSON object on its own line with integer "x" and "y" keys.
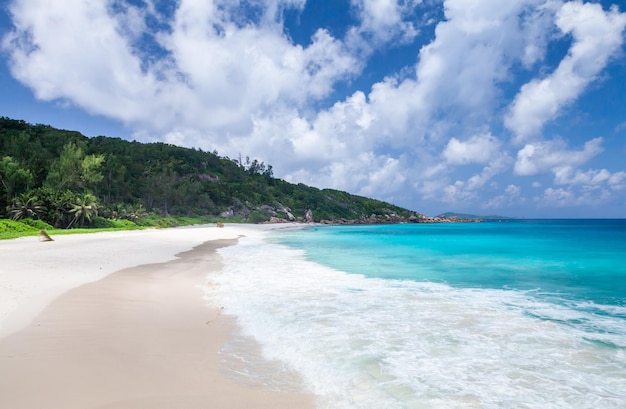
{"x": 518, "y": 314}
{"x": 578, "y": 259}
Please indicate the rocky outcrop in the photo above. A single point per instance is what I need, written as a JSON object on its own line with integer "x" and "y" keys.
{"x": 283, "y": 214}
{"x": 279, "y": 214}
{"x": 440, "y": 219}
{"x": 228, "y": 213}
{"x": 308, "y": 216}
{"x": 393, "y": 218}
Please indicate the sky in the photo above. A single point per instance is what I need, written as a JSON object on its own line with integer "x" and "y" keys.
{"x": 515, "y": 108}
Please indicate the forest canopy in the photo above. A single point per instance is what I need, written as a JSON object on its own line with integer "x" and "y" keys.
{"x": 67, "y": 180}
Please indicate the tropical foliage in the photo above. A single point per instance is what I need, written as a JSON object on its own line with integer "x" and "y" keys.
{"x": 26, "y": 206}
{"x": 68, "y": 180}
{"x": 84, "y": 208}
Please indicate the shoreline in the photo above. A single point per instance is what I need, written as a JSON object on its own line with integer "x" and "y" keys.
{"x": 108, "y": 337}
{"x": 34, "y": 273}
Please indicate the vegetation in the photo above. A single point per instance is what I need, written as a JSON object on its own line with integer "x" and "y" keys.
{"x": 67, "y": 180}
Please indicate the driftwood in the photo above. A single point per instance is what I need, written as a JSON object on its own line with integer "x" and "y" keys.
{"x": 44, "y": 236}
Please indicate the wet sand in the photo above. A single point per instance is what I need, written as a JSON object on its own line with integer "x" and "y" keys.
{"x": 141, "y": 337}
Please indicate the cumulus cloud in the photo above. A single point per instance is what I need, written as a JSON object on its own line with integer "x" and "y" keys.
{"x": 567, "y": 175}
{"x": 510, "y": 196}
{"x": 457, "y": 193}
{"x": 74, "y": 51}
{"x": 212, "y": 71}
{"x": 477, "y": 149}
{"x": 596, "y": 36}
{"x": 561, "y": 197}
{"x": 385, "y": 20}
{"x": 556, "y": 197}
{"x": 540, "y": 157}
{"x": 209, "y": 75}
{"x": 589, "y": 187}
{"x": 476, "y": 48}
{"x": 495, "y": 167}
{"x": 464, "y": 190}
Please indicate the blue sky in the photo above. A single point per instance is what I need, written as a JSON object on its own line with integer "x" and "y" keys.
{"x": 483, "y": 106}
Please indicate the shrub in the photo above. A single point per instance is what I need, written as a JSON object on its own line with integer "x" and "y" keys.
{"x": 10, "y": 229}
{"x": 99, "y": 222}
{"x": 125, "y": 224}
{"x": 166, "y": 222}
{"x": 37, "y": 224}
{"x": 258, "y": 216}
{"x": 103, "y": 223}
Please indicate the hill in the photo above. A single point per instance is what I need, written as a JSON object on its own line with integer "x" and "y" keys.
{"x": 67, "y": 179}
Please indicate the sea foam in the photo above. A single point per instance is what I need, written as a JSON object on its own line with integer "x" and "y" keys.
{"x": 359, "y": 342}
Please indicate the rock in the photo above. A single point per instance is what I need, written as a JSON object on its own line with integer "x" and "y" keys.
{"x": 227, "y": 214}
{"x": 308, "y": 216}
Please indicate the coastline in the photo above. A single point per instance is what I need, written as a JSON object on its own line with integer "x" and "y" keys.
{"x": 116, "y": 320}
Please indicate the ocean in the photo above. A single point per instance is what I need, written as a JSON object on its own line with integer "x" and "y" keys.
{"x": 511, "y": 314}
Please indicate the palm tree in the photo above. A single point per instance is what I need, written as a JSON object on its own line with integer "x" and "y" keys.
{"x": 84, "y": 208}
{"x": 25, "y": 206}
{"x": 135, "y": 212}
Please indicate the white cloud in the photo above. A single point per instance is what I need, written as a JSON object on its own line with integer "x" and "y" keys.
{"x": 386, "y": 179}
{"x": 219, "y": 81}
{"x": 215, "y": 74}
{"x": 495, "y": 167}
{"x": 510, "y": 195}
{"x": 365, "y": 174}
{"x": 461, "y": 190}
{"x": 540, "y": 157}
{"x": 457, "y": 193}
{"x": 556, "y": 197}
{"x": 581, "y": 188}
{"x": 74, "y": 50}
{"x": 477, "y": 149}
{"x": 566, "y": 175}
{"x": 458, "y": 72}
{"x": 471, "y": 54}
{"x": 597, "y": 35}
{"x": 384, "y": 20}
{"x": 561, "y": 197}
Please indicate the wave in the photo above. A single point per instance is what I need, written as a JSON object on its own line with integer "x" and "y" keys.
{"x": 359, "y": 342}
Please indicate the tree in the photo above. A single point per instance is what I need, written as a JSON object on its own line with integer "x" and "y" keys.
{"x": 73, "y": 170}
{"x": 26, "y": 206}
{"x": 135, "y": 212}
{"x": 57, "y": 166}
{"x": 14, "y": 178}
{"x": 84, "y": 208}
{"x": 56, "y": 204}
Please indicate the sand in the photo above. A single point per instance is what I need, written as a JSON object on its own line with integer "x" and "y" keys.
{"x": 116, "y": 320}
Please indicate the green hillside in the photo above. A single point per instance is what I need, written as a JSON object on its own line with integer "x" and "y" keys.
{"x": 68, "y": 180}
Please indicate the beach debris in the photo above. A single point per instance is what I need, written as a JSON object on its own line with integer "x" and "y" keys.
{"x": 44, "y": 236}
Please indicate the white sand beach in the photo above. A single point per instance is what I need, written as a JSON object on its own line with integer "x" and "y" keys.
{"x": 119, "y": 320}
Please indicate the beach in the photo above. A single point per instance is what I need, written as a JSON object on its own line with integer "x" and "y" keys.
{"x": 121, "y": 320}
{"x": 493, "y": 315}
{"x": 527, "y": 314}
